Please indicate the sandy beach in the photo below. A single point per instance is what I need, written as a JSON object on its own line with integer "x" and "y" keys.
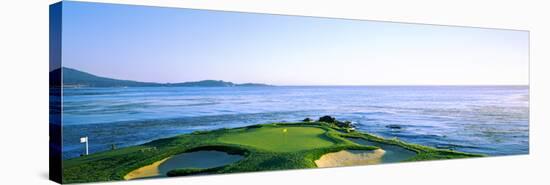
{"x": 350, "y": 158}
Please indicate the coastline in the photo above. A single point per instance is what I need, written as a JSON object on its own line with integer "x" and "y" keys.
{"x": 305, "y": 145}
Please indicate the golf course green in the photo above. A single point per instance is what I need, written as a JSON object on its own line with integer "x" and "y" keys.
{"x": 281, "y": 139}
{"x": 262, "y": 147}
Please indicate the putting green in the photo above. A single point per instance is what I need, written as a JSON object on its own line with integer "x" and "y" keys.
{"x": 280, "y": 139}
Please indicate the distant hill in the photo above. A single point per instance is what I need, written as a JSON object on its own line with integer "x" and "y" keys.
{"x": 73, "y": 77}
{"x": 76, "y": 78}
{"x": 251, "y": 85}
{"x": 204, "y": 83}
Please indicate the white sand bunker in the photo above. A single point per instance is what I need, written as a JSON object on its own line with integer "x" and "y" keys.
{"x": 350, "y": 158}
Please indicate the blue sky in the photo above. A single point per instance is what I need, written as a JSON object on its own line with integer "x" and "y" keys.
{"x": 176, "y": 45}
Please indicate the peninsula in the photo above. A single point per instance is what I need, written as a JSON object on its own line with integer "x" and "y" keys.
{"x": 325, "y": 142}
{"x": 77, "y": 78}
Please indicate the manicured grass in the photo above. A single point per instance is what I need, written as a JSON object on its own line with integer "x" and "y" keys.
{"x": 264, "y": 147}
{"x": 281, "y": 139}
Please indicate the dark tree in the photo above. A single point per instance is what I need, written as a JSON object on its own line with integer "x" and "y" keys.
{"x": 327, "y": 119}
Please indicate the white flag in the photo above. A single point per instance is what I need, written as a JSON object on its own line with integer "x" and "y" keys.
{"x": 83, "y": 139}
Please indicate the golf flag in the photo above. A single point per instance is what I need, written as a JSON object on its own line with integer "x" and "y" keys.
{"x": 83, "y": 139}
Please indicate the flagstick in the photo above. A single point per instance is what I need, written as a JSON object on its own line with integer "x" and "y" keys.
{"x": 85, "y": 140}
{"x": 86, "y": 145}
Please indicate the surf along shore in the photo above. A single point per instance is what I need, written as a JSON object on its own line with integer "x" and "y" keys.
{"x": 326, "y": 142}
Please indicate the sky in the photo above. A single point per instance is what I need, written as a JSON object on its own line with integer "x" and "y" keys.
{"x": 154, "y": 44}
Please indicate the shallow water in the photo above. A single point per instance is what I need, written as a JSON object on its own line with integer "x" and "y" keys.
{"x": 482, "y": 119}
{"x": 197, "y": 159}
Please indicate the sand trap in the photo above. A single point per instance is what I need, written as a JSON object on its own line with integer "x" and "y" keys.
{"x": 350, "y": 158}
{"x": 146, "y": 171}
{"x": 394, "y": 153}
{"x": 198, "y": 159}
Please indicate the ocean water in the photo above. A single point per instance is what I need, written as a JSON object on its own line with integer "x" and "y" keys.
{"x": 492, "y": 120}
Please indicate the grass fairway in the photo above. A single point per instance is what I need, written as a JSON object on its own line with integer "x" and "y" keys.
{"x": 281, "y": 139}
{"x": 274, "y": 146}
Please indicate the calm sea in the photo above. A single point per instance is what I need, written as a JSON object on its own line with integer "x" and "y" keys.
{"x": 493, "y": 120}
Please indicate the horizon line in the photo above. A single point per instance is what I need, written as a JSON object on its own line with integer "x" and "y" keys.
{"x": 303, "y": 85}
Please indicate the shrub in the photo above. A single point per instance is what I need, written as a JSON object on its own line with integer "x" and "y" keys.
{"x": 344, "y": 124}
{"x": 327, "y": 119}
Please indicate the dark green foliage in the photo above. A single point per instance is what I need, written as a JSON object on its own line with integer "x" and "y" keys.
{"x": 327, "y": 119}
{"x": 344, "y": 124}
{"x": 253, "y": 126}
{"x": 307, "y": 120}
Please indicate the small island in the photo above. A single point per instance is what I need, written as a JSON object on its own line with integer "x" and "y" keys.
{"x": 325, "y": 142}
